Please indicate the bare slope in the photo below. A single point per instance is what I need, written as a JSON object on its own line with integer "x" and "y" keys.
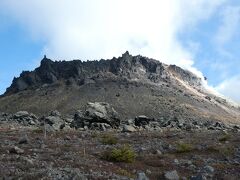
{"x": 134, "y": 85}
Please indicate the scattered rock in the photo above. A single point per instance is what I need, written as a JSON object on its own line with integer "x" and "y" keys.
{"x": 142, "y": 120}
{"x": 98, "y": 112}
{"x": 158, "y": 152}
{"x": 171, "y": 175}
{"x": 128, "y": 128}
{"x": 25, "y": 118}
{"x": 208, "y": 169}
{"x": 16, "y": 150}
{"x": 23, "y": 140}
{"x": 54, "y": 120}
{"x": 99, "y": 126}
{"x": 142, "y": 176}
{"x": 55, "y": 113}
{"x": 198, "y": 177}
{"x": 21, "y": 114}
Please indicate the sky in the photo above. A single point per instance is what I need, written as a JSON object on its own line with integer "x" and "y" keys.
{"x": 202, "y": 36}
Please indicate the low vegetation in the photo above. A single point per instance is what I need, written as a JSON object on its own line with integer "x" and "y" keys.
{"x": 109, "y": 139}
{"x": 121, "y": 154}
{"x": 224, "y": 138}
{"x": 184, "y": 147}
{"x": 126, "y": 173}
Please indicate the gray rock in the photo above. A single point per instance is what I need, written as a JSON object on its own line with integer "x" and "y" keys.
{"x": 198, "y": 177}
{"x": 130, "y": 121}
{"x": 142, "y": 176}
{"x": 208, "y": 169}
{"x": 158, "y": 152}
{"x": 176, "y": 161}
{"x": 55, "y": 113}
{"x": 56, "y": 122}
{"x": 98, "y": 126}
{"x": 23, "y": 140}
{"x": 128, "y": 128}
{"x": 21, "y": 114}
{"x": 79, "y": 176}
{"x": 98, "y": 112}
{"x": 16, "y": 150}
{"x": 25, "y": 118}
{"x": 171, "y": 175}
{"x": 142, "y": 120}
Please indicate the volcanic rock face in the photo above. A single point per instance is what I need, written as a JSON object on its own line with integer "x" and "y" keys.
{"x": 133, "y": 85}
{"x": 78, "y": 72}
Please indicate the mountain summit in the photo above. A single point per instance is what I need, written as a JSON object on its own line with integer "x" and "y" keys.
{"x": 134, "y": 85}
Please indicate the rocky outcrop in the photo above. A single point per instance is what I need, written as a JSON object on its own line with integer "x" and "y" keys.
{"x": 133, "y": 85}
{"x": 78, "y": 72}
{"x": 98, "y": 115}
{"x": 54, "y": 121}
{"x": 21, "y": 117}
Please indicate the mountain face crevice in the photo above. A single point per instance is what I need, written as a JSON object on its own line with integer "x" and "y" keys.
{"x": 133, "y": 85}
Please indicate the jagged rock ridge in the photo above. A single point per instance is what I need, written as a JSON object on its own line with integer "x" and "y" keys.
{"x": 133, "y": 85}
{"x": 77, "y": 72}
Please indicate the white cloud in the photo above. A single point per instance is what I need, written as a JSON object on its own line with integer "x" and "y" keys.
{"x": 94, "y": 29}
{"x": 230, "y": 88}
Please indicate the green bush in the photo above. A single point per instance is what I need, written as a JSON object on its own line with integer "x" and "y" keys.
{"x": 224, "y": 138}
{"x": 109, "y": 139}
{"x": 183, "y": 147}
{"x": 122, "y": 154}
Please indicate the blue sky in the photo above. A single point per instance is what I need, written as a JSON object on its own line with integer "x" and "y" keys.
{"x": 202, "y": 36}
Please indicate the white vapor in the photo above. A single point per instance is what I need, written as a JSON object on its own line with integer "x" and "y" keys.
{"x": 230, "y": 88}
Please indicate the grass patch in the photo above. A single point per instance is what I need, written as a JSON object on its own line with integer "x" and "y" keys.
{"x": 109, "y": 139}
{"x": 123, "y": 172}
{"x": 222, "y": 150}
{"x": 122, "y": 154}
{"x": 184, "y": 147}
{"x": 38, "y": 130}
{"x": 227, "y": 151}
{"x": 225, "y": 137}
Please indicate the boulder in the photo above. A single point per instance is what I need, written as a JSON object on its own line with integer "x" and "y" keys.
{"x": 142, "y": 176}
{"x": 142, "y": 120}
{"x": 198, "y": 177}
{"x": 25, "y": 118}
{"x": 128, "y": 128}
{"x": 99, "y": 126}
{"x": 23, "y": 140}
{"x": 54, "y": 120}
{"x": 16, "y": 150}
{"x": 55, "y": 113}
{"x": 171, "y": 175}
{"x": 21, "y": 114}
{"x": 98, "y": 112}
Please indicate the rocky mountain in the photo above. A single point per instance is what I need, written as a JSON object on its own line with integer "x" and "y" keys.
{"x": 133, "y": 85}
{"x": 127, "y": 118}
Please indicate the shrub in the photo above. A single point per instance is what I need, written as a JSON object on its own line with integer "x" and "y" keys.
{"x": 109, "y": 139}
{"x": 38, "y": 130}
{"x": 183, "y": 147}
{"x": 122, "y": 154}
{"x": 224, "y": 138}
